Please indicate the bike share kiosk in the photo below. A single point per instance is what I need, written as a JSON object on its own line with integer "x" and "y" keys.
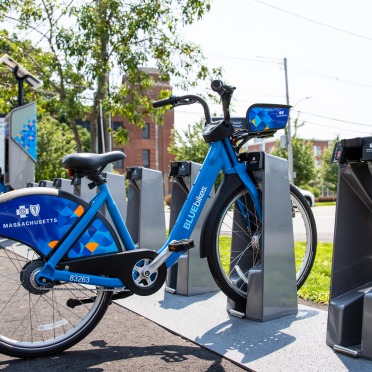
{"x": 190, "y": 275}
{"x": 20, "y": 132}
{"x": 145, "y": 218}
{"x": 349, "y": 328}
{"x": 20, "y": 146}
{"x": 3, "y": 130}
{"x": 271, "y": 285}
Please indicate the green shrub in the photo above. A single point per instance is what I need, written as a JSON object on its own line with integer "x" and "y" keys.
{"x": 325, "y": 199}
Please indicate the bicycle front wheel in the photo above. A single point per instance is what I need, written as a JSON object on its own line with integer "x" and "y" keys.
{"x": 36, "y": 322}
{"x": 237, "y": 241}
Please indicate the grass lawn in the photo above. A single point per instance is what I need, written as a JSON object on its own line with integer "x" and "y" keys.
{"x": 316, "y": 287}
{"x": 325, "y": 204}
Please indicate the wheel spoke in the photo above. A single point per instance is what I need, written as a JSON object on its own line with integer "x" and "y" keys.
{"x": 238, "y": 242}
{"x": 35, "y": 320}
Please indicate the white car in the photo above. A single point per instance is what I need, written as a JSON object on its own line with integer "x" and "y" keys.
{"x": 309, "y": 196}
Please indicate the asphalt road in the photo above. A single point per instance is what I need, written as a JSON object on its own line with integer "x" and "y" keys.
{"x": 124, "y": 341}
{"x": 324, "y": 218}
{"x": 325, "y": 222}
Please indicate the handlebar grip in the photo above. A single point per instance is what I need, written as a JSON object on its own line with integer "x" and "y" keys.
{"x": 163, "y": 102}
{"x": 217, "y": 86}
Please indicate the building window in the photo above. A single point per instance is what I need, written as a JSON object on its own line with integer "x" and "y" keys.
{"x": 146, "y": 131}
{"x": 317, "y": 151}
{"x": 84, "y": 123}
{"x": 146, "y": 158}
{"x": 119, "y": 164}
{"x": 116, "y": 125}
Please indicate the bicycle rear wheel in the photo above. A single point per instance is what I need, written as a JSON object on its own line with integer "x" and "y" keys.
{"x": 34, "y": 321}
{"x": 237, "y": 225}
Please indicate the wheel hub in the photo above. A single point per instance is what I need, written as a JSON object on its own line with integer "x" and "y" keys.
{"x": 28, "y": 278}
{"x": 144, "y": 282}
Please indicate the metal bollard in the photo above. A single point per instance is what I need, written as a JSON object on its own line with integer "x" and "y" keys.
{"x": 45, "y": 183}
{"x": 350, "y": 302}
{"x": 145, "y": 218}
{"x": 191, "y": 275}
{"x": 265, "y": 299}
{"x": 64, "y": 185}
{"x": 116, "y": 184}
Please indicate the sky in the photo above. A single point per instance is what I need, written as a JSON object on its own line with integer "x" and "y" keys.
{"x": 328, "y": 47}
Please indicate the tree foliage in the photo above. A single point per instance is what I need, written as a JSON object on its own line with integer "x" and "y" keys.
{"x": 85, "y": 41}
{"x": 328, "y": 170}
{"x": 303, "y": 160}
{"x": 33, "y": 59}
{"x": 55, "y": 140}
{"x": 189, "y": 144}
{"x": 303, "y": 157}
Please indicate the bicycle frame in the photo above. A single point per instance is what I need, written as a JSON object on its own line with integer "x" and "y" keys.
{"x": 220, "y": 156}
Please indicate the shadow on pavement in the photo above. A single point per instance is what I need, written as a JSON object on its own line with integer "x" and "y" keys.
{"x": 103, "y": 357}
{"x": 252, "y": 340}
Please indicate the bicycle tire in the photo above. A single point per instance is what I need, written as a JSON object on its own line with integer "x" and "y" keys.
{"x": 304, "y": 260}
{"x": 232, "y": 278}
{"x": 34, "y": 322}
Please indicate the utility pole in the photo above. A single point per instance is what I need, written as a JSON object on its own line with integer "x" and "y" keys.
{"x": 156, "y": 145}
{"x": 289, "y": 129}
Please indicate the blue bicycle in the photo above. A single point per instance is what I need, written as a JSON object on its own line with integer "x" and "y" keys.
{"x": 62, "y": 263}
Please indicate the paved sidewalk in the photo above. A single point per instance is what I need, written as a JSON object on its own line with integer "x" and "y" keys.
{"x": 291, "y": 343}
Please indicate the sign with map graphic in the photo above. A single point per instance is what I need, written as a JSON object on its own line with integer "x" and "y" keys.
{"x": 23, "y": 128}
{"x": 3, "y": 133}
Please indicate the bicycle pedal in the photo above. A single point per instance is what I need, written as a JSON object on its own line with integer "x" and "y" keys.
{"x": 181, "y": 245}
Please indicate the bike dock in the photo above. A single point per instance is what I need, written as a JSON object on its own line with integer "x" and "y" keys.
{"x": 190, "y": 275}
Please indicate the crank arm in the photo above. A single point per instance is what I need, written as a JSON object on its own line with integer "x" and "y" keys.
{"x": 73, "y": 302}
{"x": 174, "y": 246}
{"x": 157, "y": 262}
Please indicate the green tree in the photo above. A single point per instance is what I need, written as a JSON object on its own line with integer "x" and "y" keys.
{"x": 20, "y": 51}
{"x": 63, "y": 102}
{"x": 303, "y": 160}
{"x": 87, "y": 40}
{"x": 328, "y": 170}
{"x": 189, "y": 144}
{"x": 54, "y": 141}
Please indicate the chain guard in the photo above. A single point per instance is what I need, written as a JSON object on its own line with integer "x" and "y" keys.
{"x": 123, "y": 265}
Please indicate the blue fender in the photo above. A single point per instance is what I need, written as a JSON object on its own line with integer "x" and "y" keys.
{"x": 41, "y": 217}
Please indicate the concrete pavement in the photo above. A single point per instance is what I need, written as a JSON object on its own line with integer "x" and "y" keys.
{"x": 292, "y": 343}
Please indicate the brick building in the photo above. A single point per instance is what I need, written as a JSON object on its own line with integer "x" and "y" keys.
{"x": 148, "y": 146}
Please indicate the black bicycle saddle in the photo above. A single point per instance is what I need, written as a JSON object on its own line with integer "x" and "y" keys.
{"x": 86, "y": 161}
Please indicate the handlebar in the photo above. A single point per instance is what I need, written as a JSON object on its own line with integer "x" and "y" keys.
{"x": 217, "y": 86}
{"x": 184, "y": 100}
{"x": 163, "y": 102}
{"x": 225, "y": 92}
